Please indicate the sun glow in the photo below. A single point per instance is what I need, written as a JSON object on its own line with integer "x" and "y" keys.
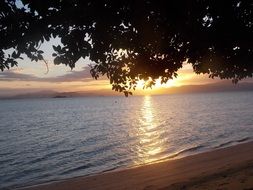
{"x": 141, "y": 89}
{"x": 170, "y": 83}
{"x": 186, "y": 76}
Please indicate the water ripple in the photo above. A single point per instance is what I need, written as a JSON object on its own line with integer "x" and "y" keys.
{"x": 90, "y": 135}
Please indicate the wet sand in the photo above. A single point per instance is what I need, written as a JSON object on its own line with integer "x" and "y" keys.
{"x": 228, "y": 168}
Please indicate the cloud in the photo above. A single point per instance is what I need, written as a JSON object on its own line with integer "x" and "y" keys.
{"x": 72, "y": 76}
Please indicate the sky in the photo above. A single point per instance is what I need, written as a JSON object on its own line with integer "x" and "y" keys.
{"x": 33, "y": 77}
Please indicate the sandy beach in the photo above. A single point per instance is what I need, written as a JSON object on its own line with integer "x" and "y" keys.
{"x": 228, "y": 168}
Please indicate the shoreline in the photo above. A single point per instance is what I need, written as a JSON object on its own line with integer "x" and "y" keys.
{"x": 220, "y": 167}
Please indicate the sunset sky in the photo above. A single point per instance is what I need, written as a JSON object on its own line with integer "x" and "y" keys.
{"x": 32, "y": 77}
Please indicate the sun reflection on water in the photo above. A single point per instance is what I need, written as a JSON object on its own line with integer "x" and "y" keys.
{"x": 150, "y": 142}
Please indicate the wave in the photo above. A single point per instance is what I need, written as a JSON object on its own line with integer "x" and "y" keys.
{"x": 48, "y": 156}
{"x": 6, "y": 161}
{"x": 85, "y": 166}
{"x": 184, "y": 151}
{"x": 233, "y": 141}
{"x": 59, "y": 152}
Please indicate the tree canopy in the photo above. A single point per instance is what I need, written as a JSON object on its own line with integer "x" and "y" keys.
{"x": 134, "y": 39}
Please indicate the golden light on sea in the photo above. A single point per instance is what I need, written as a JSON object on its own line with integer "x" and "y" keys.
{"x": 150, "y": 144}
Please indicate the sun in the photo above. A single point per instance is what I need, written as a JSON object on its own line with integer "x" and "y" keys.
{"x": 158, "y": 85}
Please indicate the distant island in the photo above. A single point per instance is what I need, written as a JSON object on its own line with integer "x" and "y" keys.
{"x": 60, "y": 96}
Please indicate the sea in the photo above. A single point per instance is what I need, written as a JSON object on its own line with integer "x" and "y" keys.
{"x": 50, "y": 139}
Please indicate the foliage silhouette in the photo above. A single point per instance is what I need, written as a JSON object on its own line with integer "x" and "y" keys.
{"x": 134, "y": 39}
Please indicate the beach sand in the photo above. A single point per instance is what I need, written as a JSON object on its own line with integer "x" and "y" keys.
{"x": 229, "y": 168}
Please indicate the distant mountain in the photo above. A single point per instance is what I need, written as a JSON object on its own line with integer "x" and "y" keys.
{"x": 37, "y": 94}
{"x": 213, "y": 87}
{"x": 207, "y": 88}
{"x": 49, "y": 94}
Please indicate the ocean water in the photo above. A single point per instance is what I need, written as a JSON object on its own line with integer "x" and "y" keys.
{"x": 43, "y": 140}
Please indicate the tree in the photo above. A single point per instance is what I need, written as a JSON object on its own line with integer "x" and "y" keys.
{"x": 134, "y": 39}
